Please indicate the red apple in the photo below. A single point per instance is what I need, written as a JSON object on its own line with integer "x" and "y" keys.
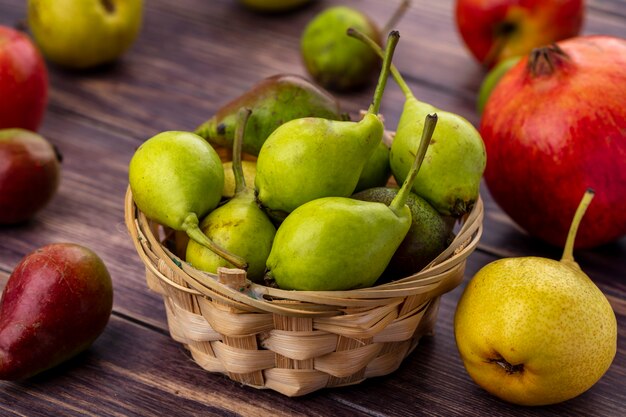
{"x": 554, "y": 125}
{"x": 29, "y": 174}
{"x": 23, "y": 81}
{"x": 495, "y": 30}
{"x": 56, "y": 303}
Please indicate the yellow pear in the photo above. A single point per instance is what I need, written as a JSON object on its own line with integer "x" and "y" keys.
{"x": 249, "y": 172}
{"x": 535, "y": 331}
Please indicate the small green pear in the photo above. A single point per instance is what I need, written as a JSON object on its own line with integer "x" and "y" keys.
{"x": 310, "y": 158}
{"x": 428, "y": 236}
{"x": 336, "y": 61}
{"x": 338, "y": 243}
{"x": 376, "y": 171}
{"x": 175, "y": 178}
{"x": 535, "y": 331}
{"x": 450, "y": 176}
{"x": 273, "y": 101}
{"x": 238, "y": 226}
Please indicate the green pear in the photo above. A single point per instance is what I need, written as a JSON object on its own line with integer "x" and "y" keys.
{"x": 311, "y": 158}
{"x": 492, "y": 79}
{"x": 333, "y": 59}
{"x": 428, "y": 236}
{"x": 249, "y": 172}
{"x": 534, "y": 331}
{"x": 176, "y": 178}
{"x": 273, "y": 101}
{"x": 450, "y": 176}
{"x": 239, "y": 226}
{"x": 376, "y": 171}
{"x": 338, "y": 243}
{"x": 84, "y": 33}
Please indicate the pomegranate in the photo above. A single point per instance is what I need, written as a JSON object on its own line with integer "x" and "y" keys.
{"x": 555, "y": 125}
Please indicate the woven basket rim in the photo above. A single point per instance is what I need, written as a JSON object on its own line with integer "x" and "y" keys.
{"x": 259, "y": 298}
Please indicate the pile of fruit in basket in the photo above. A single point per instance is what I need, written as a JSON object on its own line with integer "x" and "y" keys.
{"x": 306, "y": 175}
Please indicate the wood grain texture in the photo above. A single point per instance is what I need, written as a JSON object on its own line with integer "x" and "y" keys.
{"x": 191, "y": 57}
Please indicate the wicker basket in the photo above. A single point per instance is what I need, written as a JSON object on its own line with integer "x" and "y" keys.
{"x": 294, "y": 342}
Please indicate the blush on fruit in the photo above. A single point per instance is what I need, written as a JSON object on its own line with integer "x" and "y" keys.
{"x": 29, "y": 174}
{"x": 56, "y": 303}
{"x": 496, "y": 30}
{"x": 23, "y": 81}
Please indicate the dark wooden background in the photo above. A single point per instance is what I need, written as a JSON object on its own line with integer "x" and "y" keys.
{"x": 191, "y": 57}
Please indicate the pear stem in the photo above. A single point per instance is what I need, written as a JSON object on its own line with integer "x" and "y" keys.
{"x": 190, "y": 226}
{"x": 568, "y": 251}
{"x": 396, "y": 16}
{"x": 240, "y": 130}
{"x": 392, "y": 41}
{"x": 355, "y": 33}
{"x": 400, "y": 199}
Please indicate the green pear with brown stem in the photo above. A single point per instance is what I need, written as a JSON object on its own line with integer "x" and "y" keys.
{"x": 177, "y": 178}
{"x": 311, "y": 158}
{"x": 536, "y": 331}
{"x": 338, "y": 243}
{"x": 273, "y": 101}
{"x": 239, "y": 226}
{"x": 428, "y": 236}
{"x": 450, "y": 176}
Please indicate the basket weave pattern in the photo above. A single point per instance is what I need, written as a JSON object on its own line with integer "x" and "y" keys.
{"x": 295, "y": 342}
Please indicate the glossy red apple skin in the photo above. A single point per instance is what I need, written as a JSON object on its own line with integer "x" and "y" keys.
{"x": 23, "y": 81}
{"x": 29, "y": 174}
{"x": 534, "y": 23}
{"x": 56, "y": 303}
{"x": 552, "y": 135}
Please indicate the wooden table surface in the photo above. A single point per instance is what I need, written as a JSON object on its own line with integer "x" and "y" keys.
{"x": 191, "y": 57}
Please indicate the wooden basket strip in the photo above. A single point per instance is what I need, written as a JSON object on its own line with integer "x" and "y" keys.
{"x": 247, "y": 343}
{"x": 242, "y": 361}
{"x": 295, "y": 382}
{"x": 347, "y": 363}
{"x": 362, "y": 320}
{"x": 186, "y": 326}
{"x": 348, "y": 344}
{"x": 388, "y": 360}
{"x": 155, "y": 284}
{"x": 292, "y": 324}
{"x": 400, "y": 330}
{"x": 300, "y": 345}
{"x": 182, "y": 299}
{"x": 357, "y": 332}
{"x": 234, "y": 324}
{"x": 206, "y": 360}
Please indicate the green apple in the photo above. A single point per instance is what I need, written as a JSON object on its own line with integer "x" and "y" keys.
{"x": 492, "y": 79}
{"x": 84, "y": 33}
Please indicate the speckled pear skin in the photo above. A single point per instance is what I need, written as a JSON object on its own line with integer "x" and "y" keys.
{"x": 311, "y": 158}
{"x": 240, "y": 227}
{"x": 174, "y": 174}
{"x": 336, "y": 243}
{"x": 274, "y": 100}
{"x": 449, "y": 178}
{"x": 545, "y": 319}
